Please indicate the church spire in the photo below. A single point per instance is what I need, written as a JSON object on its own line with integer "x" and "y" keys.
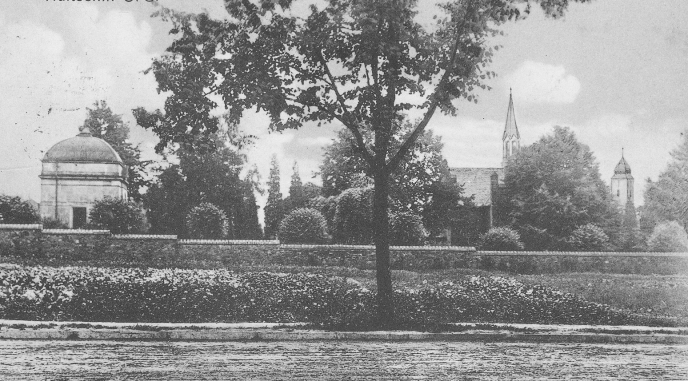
{"x": 511, "y": 140}
{"x": 510, "y": 127}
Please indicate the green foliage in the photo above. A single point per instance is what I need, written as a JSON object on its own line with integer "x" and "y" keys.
{"x": 199, "y": 296}
{"x": 303, "y": 225}
{"x": 406, "y": 229}
{"x": 105, "y": 124}
{"x": 588, "y": 237}
{"x": 412, "y": 183}
{"x": 297, "y": 196}
{"x": 168, "y": 201}
{"x": 326, "y": 205}
{"x": 554, "y": 186}
{"x": 668, "y": 236}
{"x": 353, "y": 217}
{"x": 449, "y": 209}
{"x": 206, "y": 221}
{"x": 667, "y": 198}
{"x": 501, "y": 239}
{"x": 274, "y": 208}
{"x": 117, "y": 215}
{"x": 14, "y": 210}
{"x": 211, "y": 176}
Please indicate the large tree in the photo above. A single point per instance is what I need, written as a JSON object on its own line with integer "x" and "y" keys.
{"x": 360, "y": 63}
{"x": 410, "y": 184}
{"x": 554, "y": 186}
{"x": 274, "y": 208}
{"x": 107, "y": 125}
{"x": 210, "y": 176}
{"x": 667, "y": 198}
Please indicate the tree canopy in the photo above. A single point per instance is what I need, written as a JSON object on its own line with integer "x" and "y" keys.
{"x": 213, "y": 177}
{"x": 362, "y": 64}
{"x": 105, "y": 124}
{"x": 667, "y": 198}
{"x": 554, "y": 186}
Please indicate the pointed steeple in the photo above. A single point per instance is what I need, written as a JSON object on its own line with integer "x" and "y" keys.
{"x": 511, "y": 140}
{"x": 510, "y": 127}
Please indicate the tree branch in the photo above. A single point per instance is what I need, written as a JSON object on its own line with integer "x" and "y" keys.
{"x": 411, "y": 140}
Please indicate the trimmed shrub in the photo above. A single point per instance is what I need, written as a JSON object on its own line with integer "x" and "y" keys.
{"x": 303, "y": 225}
{"x": 117, "y": 215}
{"x": 207, "y": 221}
{"x": 406, "y": 229}
{"x": 353, "y": 217}
{"x": 668, "y": 236}
{"x": 588, "y": 237}
{"x": 14, "y": 210}
{"x": 501, "y": 239}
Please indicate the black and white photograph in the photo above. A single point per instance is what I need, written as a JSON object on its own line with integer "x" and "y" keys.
{"x": 343, "y": 190}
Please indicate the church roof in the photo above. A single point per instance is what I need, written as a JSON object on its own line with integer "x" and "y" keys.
{"x": 83, "y": 148}
{"x": 510, "y": 127}
{"x": 622, "y": 168}
{"x": 477, "y": 182}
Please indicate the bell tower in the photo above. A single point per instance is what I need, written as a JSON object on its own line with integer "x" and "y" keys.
{"x": 622, "y": 183}
{"x": 511, "y": 140}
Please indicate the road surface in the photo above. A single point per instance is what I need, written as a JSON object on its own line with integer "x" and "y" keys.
{"x": 127, "y": 360}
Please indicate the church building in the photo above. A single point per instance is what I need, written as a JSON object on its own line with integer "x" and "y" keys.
{"x": 76, "y": 173}
{"x": 484, "y": 183}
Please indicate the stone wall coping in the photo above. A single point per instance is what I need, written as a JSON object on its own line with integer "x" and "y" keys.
{"x": 76, "y": 231}
{"x": 21, "y": 227}
{"x": 371, "y": 247}
{"x": 226, "y": 242}
{"x": 144, "y": 236}
{"x": 581, "y": 254}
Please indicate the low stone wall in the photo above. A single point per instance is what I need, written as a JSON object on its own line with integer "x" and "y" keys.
{"x": 540, "y": 262}
{"x": 33, "y": 245}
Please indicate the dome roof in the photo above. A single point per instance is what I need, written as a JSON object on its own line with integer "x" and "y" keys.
{"x": 83, "y": 148}
{"x": 622, "y": 168}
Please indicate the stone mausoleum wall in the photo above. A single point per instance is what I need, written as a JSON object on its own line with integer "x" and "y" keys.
{"x": 33, "y": 245}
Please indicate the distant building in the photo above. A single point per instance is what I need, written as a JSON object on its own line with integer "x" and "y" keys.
{"x": 622, "y": 186}
{"x": 76, "y": 173}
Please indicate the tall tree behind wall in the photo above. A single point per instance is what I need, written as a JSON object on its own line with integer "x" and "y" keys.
{"x": 554, "y": 186}
{"x": 105, "y": 124}
{"x": 274, "y": 208}
{"x": 667, "y": 198}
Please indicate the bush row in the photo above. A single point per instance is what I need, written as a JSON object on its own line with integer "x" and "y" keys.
{"x": 155, "y": 295}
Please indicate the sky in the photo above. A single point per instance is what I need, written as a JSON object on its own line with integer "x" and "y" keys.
{"x": 614, "y": 71}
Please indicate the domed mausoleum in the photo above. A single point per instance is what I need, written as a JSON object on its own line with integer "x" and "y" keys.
{"x": 76, "y": 173}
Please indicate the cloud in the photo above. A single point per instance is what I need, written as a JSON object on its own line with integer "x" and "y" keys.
{"x": 50, "y": 75}
{"x": 536, "y": 82}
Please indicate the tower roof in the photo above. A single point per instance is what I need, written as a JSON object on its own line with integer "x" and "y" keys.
{"x": 82, "y": 148}
{"x": 510, "y": 127}
{"x": 622, "y": 168}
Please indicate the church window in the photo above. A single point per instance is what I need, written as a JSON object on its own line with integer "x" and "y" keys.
{"x": 618, "y": 193}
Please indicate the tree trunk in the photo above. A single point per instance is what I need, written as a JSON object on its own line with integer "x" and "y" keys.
{"x": 381, "y": 239}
